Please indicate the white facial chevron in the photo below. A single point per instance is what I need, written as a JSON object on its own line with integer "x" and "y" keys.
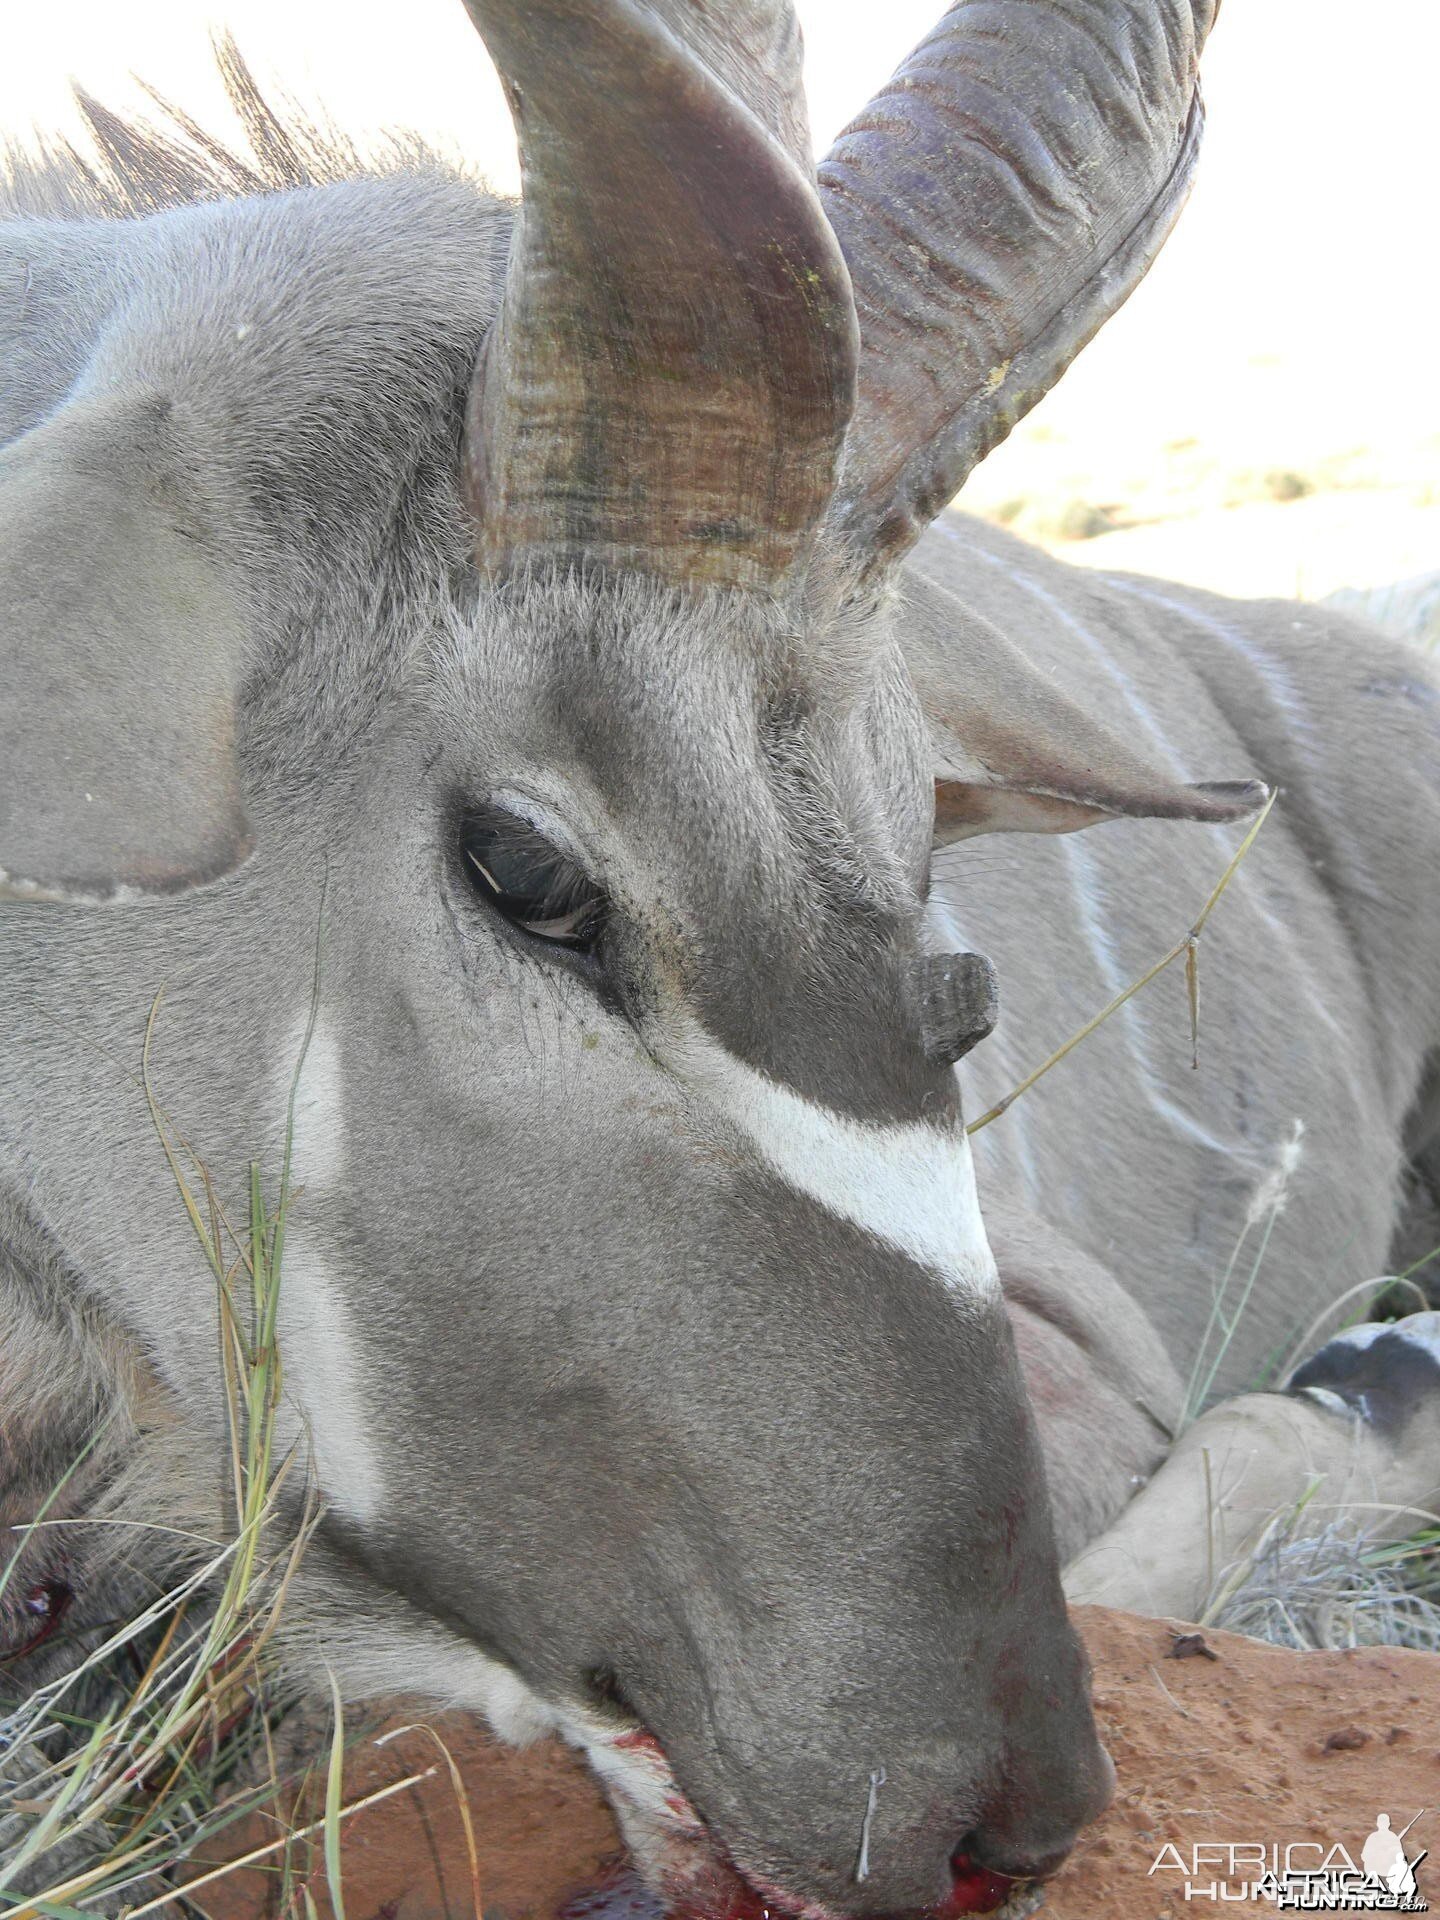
{"x": 912, "y": 1186}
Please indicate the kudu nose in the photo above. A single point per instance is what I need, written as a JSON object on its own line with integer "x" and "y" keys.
{"x": 973, "y": 1888}
{"x": 983, "y": 1875}
{"x": 1032, "y": 1842}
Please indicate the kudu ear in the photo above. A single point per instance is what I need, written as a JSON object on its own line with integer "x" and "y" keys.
{"x": 1013, "y": 754}
{"x": 120, "y": 651}
{"x": 995, "y": 204}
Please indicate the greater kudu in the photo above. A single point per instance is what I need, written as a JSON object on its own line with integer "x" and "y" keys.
{"x": 549, "y": 595}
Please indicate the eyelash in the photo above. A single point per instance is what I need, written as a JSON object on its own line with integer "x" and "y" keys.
{"x": 533, "y": 886}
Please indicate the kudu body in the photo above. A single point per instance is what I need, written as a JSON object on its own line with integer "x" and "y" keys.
{"x": 567, "y": 747}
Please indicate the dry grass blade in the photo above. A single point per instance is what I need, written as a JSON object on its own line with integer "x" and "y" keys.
{"x": 334, "y": 1794}
{"x": 285, "y": 1840}
{"x": 1188, "y": 945}
{"x": 462, "y": 1805}
{"x": 1312, "y": 1584}
{"x": 103, "y": 1806}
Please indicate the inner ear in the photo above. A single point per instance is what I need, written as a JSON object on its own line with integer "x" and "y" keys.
{"x": 1011, "y": 753}
{"x": 967, "y": 807}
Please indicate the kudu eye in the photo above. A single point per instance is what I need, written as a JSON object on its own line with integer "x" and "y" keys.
{"x": 528, "y": 881}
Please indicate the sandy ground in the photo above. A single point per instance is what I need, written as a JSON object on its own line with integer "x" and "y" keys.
{"x": 1257, "y": 1746}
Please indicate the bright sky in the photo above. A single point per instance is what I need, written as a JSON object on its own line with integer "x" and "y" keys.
{"x": 1311, "y": 238}
{"x": 420, "y": 65}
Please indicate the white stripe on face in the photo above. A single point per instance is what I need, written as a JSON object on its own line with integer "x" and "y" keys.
{"x": 325, "y": 1404}
{"x": 318, "y": 1145}
{"x": 911, "y": 1186}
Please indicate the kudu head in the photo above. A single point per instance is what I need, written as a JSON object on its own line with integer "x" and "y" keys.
{"x": 664, "y": 1358}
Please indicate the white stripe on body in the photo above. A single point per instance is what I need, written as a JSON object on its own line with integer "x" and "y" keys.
{"x": 1135, "y": 701}
{"x": 1279, "y": 683}
{"x": 1283, "y": 690}
{"x": 1085, "y": 884}
{"x": 1013, "y": 1141}
{"x": 1084, "y": 877}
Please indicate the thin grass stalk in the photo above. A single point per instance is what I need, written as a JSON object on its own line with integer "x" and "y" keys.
{"x": 47, "y": 1503}
{"x": 1233, "y": 1322}
{"x": 189, "y": 1685}
{"x": 1190, "y": 1405}
{"x": 1188, "y": 945}
{"x": 190, "y": 1887}
{"x": 334, "y": 1788}
{"x": 462, "y": 1805}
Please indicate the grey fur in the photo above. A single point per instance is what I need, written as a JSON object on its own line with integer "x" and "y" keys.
{"x": 591, "y": 1388}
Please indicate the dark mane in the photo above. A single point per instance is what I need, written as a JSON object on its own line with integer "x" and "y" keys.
{"x": 141, "y": 167}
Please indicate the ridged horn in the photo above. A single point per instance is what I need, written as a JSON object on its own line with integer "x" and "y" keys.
{"x": 672, "y": 372}
{"x": 959, "y": 1005}
{"x": 996, "y": 203}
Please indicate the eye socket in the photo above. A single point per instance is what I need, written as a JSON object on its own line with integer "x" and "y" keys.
{"x": 530, "y": 882}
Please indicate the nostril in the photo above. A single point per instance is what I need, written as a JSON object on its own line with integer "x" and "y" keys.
{"x": 980, "y": 1853}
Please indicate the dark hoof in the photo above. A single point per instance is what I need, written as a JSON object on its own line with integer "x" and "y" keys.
{"x": 1384, "y": 1372}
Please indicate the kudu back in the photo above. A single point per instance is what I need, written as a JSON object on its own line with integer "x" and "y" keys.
{"x": 494, "y": 645}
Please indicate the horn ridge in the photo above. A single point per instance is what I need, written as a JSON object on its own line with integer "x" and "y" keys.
{"x": 996, "y": 202}
{"x": 670, "y": 378}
